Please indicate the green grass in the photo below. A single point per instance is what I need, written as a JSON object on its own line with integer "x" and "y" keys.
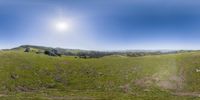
{"x": 30, "y": 76}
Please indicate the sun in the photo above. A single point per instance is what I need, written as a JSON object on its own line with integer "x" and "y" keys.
{"x": 62, "y": 26}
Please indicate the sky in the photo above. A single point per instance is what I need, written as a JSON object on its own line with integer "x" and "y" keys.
{"x": 101, "y": 24}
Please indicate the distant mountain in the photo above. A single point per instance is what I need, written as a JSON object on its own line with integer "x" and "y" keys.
{"x": 79, "y": 50}
{"x": 97, "y": 54}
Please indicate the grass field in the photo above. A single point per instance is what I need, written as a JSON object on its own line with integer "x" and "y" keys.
{"x": 30, "y": 76}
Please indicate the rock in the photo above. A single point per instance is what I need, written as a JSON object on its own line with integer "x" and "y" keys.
{"x": 58, "y": 78}
{"x": 21, "y": 89}
{"x": 197, "y": 70}
{"x": 14, "y": 76}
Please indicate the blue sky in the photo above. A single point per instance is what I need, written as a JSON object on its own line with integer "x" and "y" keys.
{"x": 101, "y": 24}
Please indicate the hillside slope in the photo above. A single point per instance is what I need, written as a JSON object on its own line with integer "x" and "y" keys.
{"x": 40, "y": 77}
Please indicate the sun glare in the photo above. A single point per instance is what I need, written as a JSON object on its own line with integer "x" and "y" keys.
{"x": 62, "y": 26}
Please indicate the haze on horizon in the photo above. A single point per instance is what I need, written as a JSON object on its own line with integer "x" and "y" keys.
{"x": 101, "y": 24}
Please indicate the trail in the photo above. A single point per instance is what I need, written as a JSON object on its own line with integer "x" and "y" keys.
{"x": 193, "y": 94}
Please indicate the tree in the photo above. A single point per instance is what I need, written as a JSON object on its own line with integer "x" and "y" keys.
{"x": 27, "y": 49}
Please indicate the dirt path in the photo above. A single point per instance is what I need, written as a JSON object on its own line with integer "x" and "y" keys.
{"x": 72, "y": 98}
{"x": 194, "y": 94}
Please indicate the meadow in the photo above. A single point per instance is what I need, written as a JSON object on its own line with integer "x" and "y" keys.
{"x": 30, "y": 76}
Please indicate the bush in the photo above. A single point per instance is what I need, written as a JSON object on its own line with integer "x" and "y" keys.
{"x": 52, "y": 52}
{"x": 27, "y": 49}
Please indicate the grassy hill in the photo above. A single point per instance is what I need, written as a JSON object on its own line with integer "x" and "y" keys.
{"x": 94, "y": 53}
{"x": 43, "y": 48}
{"x": 30, "y": 76}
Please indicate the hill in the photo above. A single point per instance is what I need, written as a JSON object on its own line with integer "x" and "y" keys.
{"x": 96, "y": 54}
{"x": 30, "y": 76}
{"x": 43, "y": 48}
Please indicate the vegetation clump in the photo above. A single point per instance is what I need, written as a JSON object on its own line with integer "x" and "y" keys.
{"x": 52, "y": 52}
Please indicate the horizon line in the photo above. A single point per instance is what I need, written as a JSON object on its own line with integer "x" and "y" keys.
{"x": 113, "y": 50}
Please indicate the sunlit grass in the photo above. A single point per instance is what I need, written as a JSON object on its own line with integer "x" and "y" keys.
{"x": 39, "y": 76}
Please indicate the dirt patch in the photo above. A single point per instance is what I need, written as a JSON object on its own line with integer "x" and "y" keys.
{"x": 145, "y": 82}
{"x": 172, "y": 82}
{"x": 166, "y": 84}
{"x": 126, "y": 88}
{"x": 3, "y": 95}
